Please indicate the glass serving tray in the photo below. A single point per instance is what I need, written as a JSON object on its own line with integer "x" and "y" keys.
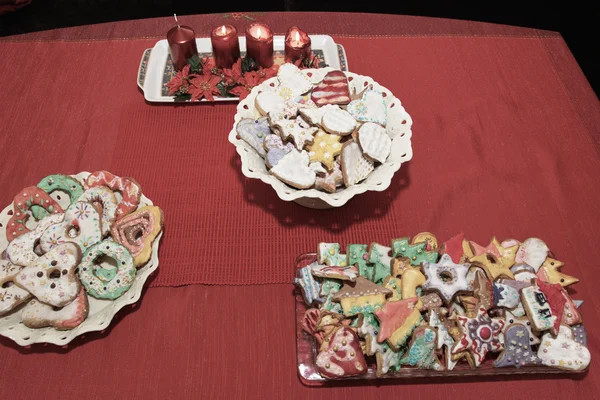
{"x": 307, "y": 353}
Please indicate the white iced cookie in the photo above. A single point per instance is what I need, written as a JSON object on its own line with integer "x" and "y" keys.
{"x": 298, "y": 130}
{"x": 81, "y": 226}
{"x": 370, "y": 108}
{"x": 532, "y": 252}
{"x": 106, "y": 199}
{"x": 292, "y": 82}
{"x": 355, "y": 166}
{"x": 10, "y": 294}
{"x": 315, "y": 115}
{"x": 51, "y": 278}
{"x": 269, "y": 102}
{"x": 39, "y": 315}
{"x": 338, "y": 122}
{"x": 21, "y": 251}
{"x": 294, "y": 170}
{"x": 537, "y": 308}
{"x": 563, "y": 352}
{"x": 374, "y": 141}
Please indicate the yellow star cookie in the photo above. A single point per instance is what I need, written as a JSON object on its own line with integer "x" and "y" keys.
{"x": 492, "y": 266}
{"x": 507, "y": 254}
{"x": 324, "y": 149}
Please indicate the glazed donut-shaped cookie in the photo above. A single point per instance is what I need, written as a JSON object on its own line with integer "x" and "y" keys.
{"x": 52, "y": 183}
{"x": 130, "y": 190}
{"x": 137, "y": 231}
{"x": 103, "y": 283}
{"x": 106, "y": 198}
{"x": 23, "y": 201}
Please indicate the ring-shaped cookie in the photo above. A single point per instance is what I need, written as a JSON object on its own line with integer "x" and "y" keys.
{"x": 104, "y": 283}
{"x": 130, "y": 190}
{"x": 52, "y": 183}
{"x": 106, "y": 199}
{"x": 23, "y": 201}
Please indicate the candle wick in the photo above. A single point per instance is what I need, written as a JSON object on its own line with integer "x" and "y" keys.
{"x": 176, "y": 21}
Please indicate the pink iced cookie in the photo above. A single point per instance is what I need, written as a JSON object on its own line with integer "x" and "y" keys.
{"x": 39, "y": 315}
{"x": 130, "y": 190}
{"x": 23, "y": 201}
{"x": 344, "y": 356}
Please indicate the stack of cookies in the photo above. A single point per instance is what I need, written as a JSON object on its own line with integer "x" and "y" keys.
{"x": 419, "y": 305}
{"x": 317, "y": 134}
{"x": 92, "y": 245}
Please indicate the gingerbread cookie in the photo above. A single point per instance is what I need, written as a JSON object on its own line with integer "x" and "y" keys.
{"x": 81, "y": 226}
{"x": 421, "y": 353}
{"x": 329, "y": 253}
{"x": 330, "y": 180}
{"x": 292, "y": 82}
{"x": 379, "y": 256}
{"x": 309, "y": 286}
{"x": 21, "y": 251}
{"x": 358, "y": 256}
{"x": 428, "y": 238}
{"x": 446, "y": 277}
{"x": 374, "y": 141}
{"x": 517, "y": 352}
{"x": 105, "y": 201}
{"x": 369, "y": 108}
{"x": 293, "y": 169}
{"x": 343, "y": 357}
{"x": 338, "y": 121}
{"x": 550, "y": 272}
{"x": 362, "y": 297}
{"x": 444, "y": 339}
{"x": 137, "y": 231}
{"x": 454, "y": 248}
{"x": 355, "y": 166}
{"x": 107, "y": 283}
{"x": 297, "y": 130}
{"x": 505, "y": 296}
{"x": 324, "y": 149}
{"x": 395, "y": 285}
{"x": 563, "y": 351}
{"x": 537, "y": 308}
{"x": 397, "y": 321}
{"x": 275, "y": 149}
{"x": 22, "y": 203}
{"x": 269, "y": 102}
{"x": 39, "y": 315}
{"x": 532, "y": 252}
{"x": 492, "y": 266}
{"x": 511, "y": 319}
{"x": 348, "y": 273}
{"x": 52, "y": 183}
{"x": 315, "y": 115}
{"x": 128, "y": 188}
{"x": 11, "y": 295}
{"x": 480, "y": 335}
{"x": 254, "y": 132}
{"x": 51, "y": 278}
{"x": 333, "y": 89}
{"x": 417, "y": 252}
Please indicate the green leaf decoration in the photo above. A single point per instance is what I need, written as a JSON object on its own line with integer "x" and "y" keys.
{"x": 195, "y": 63}
{"x": 224, "y": 89}
{"x": 20, "y": 221}
{"x": 182, "y": 97}
{"x": 248, "y": 64}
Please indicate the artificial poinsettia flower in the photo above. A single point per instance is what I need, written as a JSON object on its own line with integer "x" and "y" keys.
{"x": 234, "y": 74}
{"x": 204, "y": 86}
{"x": 247, "y": 82}
{"x": 209, "y": 67}
{"x": 267, "y": 73}
{"x": 181, "y": 81}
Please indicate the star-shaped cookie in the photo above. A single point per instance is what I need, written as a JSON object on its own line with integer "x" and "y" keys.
{"x": 480, "y": 335}
{"x": 446, "y": 277}
{"x": 492, "y": 265}
{"x": 297, "y": 129}
{"x": 324, "y": 149}
{"x": 417, "y": 253}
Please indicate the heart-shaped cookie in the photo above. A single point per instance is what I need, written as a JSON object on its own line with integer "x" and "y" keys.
{"x": 374, "y": 141}
{"x": 39, "y": 315}
{"x": 129, "y": 188}
{"x": 343, "y": 357}
{"x": 532, "y": 252}
{"x": 21, "y": 250}
{"x": 355, "y": 166}
{"x": 23, "y": 202}
{"x": 253, "y": 132}
{"x": 11, "y": 295}
{"x": 338, "y": 121}
{"x": 370, "y": 108}
{"x": 269, "y": 102}
{"x": 81, "y": 226}
{"x": 52, "y": 183}
{"x": 293, "y": 169}
{"x": 292, "y": 82}
{"x": 51, "y": 278}
{"x": 137, "y": 231}
{"x": 562, "y": 351}
{"x": 333, "y": 89}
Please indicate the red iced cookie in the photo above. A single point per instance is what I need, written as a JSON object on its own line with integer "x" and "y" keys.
{"x": 332, "y": 90}
{"x": 130, "y": 190}
{"x": 343, "y": 357}
{"x": 23, "y": 201}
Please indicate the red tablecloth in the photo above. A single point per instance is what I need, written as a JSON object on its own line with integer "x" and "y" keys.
{"x": 505, "y": 141}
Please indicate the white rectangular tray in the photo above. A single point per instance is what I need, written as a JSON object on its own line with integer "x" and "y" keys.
{"x": 156, "y": 68}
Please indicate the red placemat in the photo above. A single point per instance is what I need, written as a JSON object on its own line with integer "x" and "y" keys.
{"x": 499, "y": 149}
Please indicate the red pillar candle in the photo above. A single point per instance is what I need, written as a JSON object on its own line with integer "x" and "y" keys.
{"x": 226, "y": 47}
{"x": 259, "y": 44}
{"x": 182, "y": 45}
{"x": 297, "y": 45}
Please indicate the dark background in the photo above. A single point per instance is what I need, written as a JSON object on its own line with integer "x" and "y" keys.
{"x": 576, "y": 21}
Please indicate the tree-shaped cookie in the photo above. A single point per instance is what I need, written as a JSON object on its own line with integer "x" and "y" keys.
{"x": 421, "y": 353}
{"x": 381, "y": 260}
{"x": 358, "y": 255}
{"x": 417, "y": 252}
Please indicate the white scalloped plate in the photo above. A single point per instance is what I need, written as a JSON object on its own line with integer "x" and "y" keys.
{"x": 253, "y": 166}
{"x": 101, "y": 312}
